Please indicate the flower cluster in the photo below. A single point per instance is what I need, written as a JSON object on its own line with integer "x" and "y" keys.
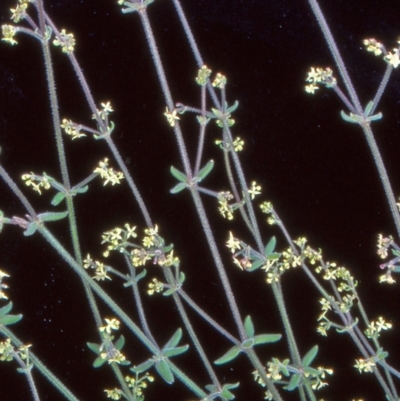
{"x": 365, "y": 365}
{"x": 100, "y": 268}
{"x": 219, "y": 81}
{"x": 319, "y": 76}
{"x": 118, "y": 238}
{"x": 72, "y": 129}
{"x": 137, "y": 385}
{"x": 37, "y": 182}
{"x": 203, "y": 75}
{"x": 9, "y": 32}
{"x": 171, "y": 116}
{"x": 238, "y": 144}
{"x": 225, "y": 208}
{"x": 66, "y": 41}
{"x": 373, "y": 46}
{"x": 375, "y": 327}
{"x": 267, "y": 208}
{"x": 393, "y": 266}
{"x": 19, "y": 13}
{"x": 108, "y": 174}
{"x": 155, "y": 286}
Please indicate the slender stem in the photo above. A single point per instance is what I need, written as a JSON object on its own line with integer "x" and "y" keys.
{"x": 336, "y": 54}
{"x": 383, "y": 175}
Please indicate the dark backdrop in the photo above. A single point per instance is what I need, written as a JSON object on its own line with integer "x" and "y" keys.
{"x": 315, "y": 168}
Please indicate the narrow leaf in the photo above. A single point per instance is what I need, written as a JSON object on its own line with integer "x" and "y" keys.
{"x": 10, "y": 319}
{"x": 246, "y": 344}
{"x": 270, "y": 246}
{"x": 99, "y": 362}
{"x": 52, "y": 216}
{"x": 58, "y": 198}
{"x": 310, "y": 356}
{"x": 164, "y": 371}
{"x": 178, "y": 188}
{"x": 5, "y": 309}
{"x": 228, "y": 356}
{"x": 94, "y": 347}
{"x": 249, "y": 326}
{"x": 143, "y": 366}
{"x": 120, "y": 343}
{"x": 31, "y": 229}
{"x": 205, "y": 170}
{"x": 294, "y": 382}
{"x": 266, "y": 338}
{"x": 368, "y": 108}
{"x": 174, "y": 340}
{"x": 178, "y": 174}
{"x": 175, "y": 351}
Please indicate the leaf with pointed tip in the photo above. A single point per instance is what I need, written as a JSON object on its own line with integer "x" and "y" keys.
{"x": 205, "y": 170}
{"x": 178, "y": 174}
{"x": 164, "y": 371}
{"x": 175, "y": 351}
{"x": 255, "y": 265}
{"x": 231, "y": 354}
{"x": 270, "y": 247}
{"x": 142, "y": 367}
{"x": 368, "y": 108}
{"x": 246, "y": 344}
{"x": 249, "y": 326}
{"x": 7, "y": 320}
{"x": 31, "y": 229}
{"x": 266, "y": 338}
{"x": 58, "y": 198}
{"x": 225, "y": 393}
{"x": 94, "y": 347}
{"x": 310, "y": 356}
{"x": 294, "y": 382}
{"x": 5, "y": 309}
{"x": 120, "y": 343}
{"x": 99, "y": 362}
{"x": 231, "y": 109}
{"x": 178, "y": 188}
{"x": 52, "y": 216}
{"x": 174, "y": 340}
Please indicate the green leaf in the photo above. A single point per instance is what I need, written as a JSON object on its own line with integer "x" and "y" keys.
{"x": 229, "y": 356}
{"x": 58, "y": 198}
{"x": 249, "y": 326}
{"x": 232, "y": 108}
{"x": 225, "y": 393}
{"x": 10, "y": 319}
{"x": 83, "y": 189}
{"x": 205, "y": 170}
{"x": 99, "y": 362}
{"x": 174, "y": 340}
{"x": 368, "y": 108}
{"x": 266, "y": 338}
{"x": 52, "y": 216}
{"x": 294, "y": 382}
{"x": 143, "y": 367}
{"x": 5, "y": 309}
{"x": 31, "y": 229}
{"x": 178, "y": 174}
{"x": 94, "y": 347}
{"x": 246, "y": 344}
{"x": 270, "y": 247}
{"x": 169, "y": 292}
{"x": 255, "y": 265}
{"x": 352, "y": 118}
{"x": 310, "y": 356}
{"x": 164, "y": 371}
{"x": 120, "y": 343}
{"x": 175, "y": 351}
{"x": 178, "y": 188}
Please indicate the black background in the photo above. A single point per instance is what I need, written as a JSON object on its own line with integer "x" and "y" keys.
{"x": 314, "y": 167}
